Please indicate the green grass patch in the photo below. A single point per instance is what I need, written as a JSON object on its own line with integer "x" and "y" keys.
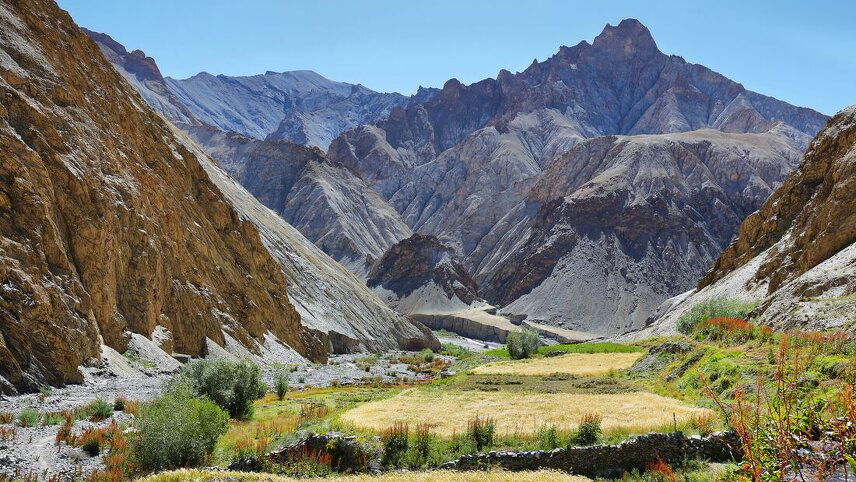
{"x": 714, "y": 308}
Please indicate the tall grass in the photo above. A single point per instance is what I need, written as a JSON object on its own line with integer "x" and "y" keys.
{"x": 714, "y": 308}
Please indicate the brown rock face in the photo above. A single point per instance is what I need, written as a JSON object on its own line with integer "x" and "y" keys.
{"x": 807, "y": 220}
{"x": 108, "y": 224}
{"x": 418, "y": 261}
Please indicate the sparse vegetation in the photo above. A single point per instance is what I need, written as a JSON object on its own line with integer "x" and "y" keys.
{"x": 521, "y": 344}
{"x": 29, "y": 417}
{"x": 481, "y": 430}
{"x": 395, "y": 443}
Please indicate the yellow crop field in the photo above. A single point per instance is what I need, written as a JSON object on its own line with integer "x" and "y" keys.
{"x": 583, "y": 364}
{"x": 449, "y": 411}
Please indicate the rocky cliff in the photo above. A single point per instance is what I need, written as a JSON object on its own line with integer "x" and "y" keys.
{"x": 421, "y": 275}
{"x": 109, "y": 224}
{"x": 796, "y": 254}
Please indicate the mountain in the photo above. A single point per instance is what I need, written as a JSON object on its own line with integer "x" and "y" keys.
{"x": 300, "y": 106}
{"x": 326, "y": 202}
{"x": 142, "y": 72}
{"x": 561, "y": 166}
{"x": 796, "y": 255}
{"x": 421, "y": 275}
{"x": 113, "y": 224}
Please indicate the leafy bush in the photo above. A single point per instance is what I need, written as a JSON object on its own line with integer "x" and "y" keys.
{"x": 521, "y": 344}
{"x": 589, "y": 430}
{"x": 99, "y": 410}
{"x": 233, "y": 386}
{"x": 177, "y": 430}
{"x": 395, "y": 443}
{"x": 427, "y": 355}
{"x": 280, "y": 384}
{"x": 481, "y": 431}
{"x": 29, "y": 417}
{"x": 548, "y": 437}
{"x": 713, "y": 308}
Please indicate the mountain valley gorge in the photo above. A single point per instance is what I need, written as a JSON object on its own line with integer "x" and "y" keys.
{"x": 580, "y": 193}
{"x": 613, "y": 264}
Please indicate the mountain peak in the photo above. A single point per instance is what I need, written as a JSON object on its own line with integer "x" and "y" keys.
{"x": 628, "y": 37}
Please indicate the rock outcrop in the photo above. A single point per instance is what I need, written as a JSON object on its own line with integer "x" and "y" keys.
{"x": 421, "y": 275}
{"x": 109, "y": 225}
{"x": 796, "y": 254}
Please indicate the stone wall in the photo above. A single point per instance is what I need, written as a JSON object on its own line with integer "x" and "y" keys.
{"x": 611, "y": 460}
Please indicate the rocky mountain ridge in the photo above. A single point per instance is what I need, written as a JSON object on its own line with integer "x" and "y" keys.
{"x": 117, "y": 229}
{"x": 796, "y": 255}
{"x": 483, "y": 168}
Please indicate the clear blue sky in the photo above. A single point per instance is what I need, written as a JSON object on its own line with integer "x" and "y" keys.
{"x": 803, "y": 52}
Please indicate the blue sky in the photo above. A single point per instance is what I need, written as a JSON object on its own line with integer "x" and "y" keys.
{"x": 803, "y": 52}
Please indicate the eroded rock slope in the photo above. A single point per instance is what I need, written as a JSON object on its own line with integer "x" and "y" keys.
{"x": 109, "y": 225}
{"x": 796, "y": 254}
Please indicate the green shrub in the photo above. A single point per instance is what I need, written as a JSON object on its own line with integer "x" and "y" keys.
{"x": 99, "y": 410}
{"x": 92, "y": 447}
{"x": 177, "y": 430}
{"x": 29, "y": 417}
{"x": 422, "y": 441}
{"x": 52, "y": 418}
{"x": 589, "y": 430}
{"x": 713, "y": 308}
{"x": 427, "y": 355}
{"x": 280, "y": 384}
{"x": 234, "y": 386}
{"x": 548, "y": 437}
{"x": 454, "y": 350}
{"x": 395, "y": 444}
{"x": 604, "y": 347}
{"x": 521, "y": 344}
{"x": 481, "y": 431}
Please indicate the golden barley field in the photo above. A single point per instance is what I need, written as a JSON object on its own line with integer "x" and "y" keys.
{"x": 428, "y": 476}
{"x": 583, "y": 364}
{"x": 448, "y": 411}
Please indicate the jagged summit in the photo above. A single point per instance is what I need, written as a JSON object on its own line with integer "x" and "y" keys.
{"x": 629, "y": 37}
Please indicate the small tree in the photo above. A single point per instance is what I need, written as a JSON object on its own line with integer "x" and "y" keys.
{"x": 233, "y": 386}
{"x": 177, "y": 430}
{"x": 280, "y": 384}
{"x": 522, "y": 344}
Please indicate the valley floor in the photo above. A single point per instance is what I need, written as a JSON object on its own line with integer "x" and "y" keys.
{"x": 447, "y": 406}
